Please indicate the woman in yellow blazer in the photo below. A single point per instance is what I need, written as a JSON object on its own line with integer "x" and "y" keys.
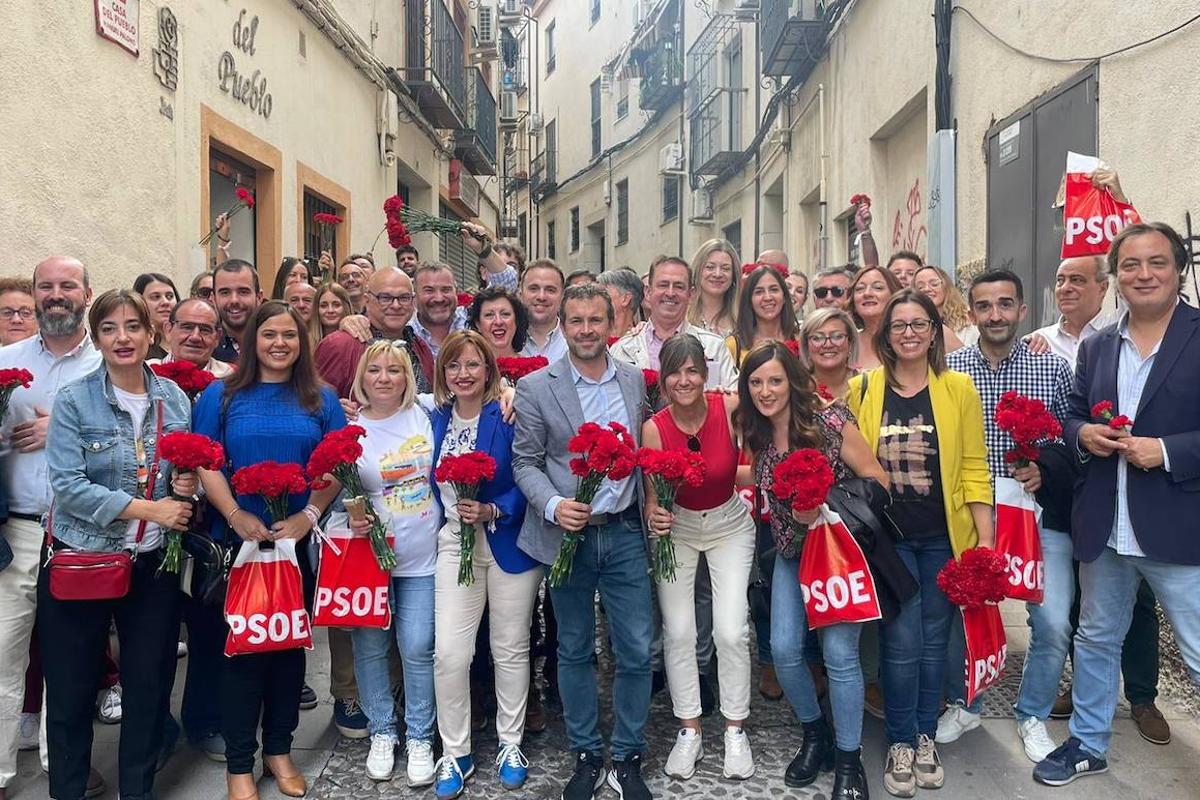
{"x": 925, "y": 423}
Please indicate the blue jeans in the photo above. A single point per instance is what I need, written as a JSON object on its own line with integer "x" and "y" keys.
{"x": 611, "y": 558}
{"x": 412, "y": 621}
{"x": 1108, "y": 587}
{"x": 839, "y": 646}
{"x": 913, "y": 646}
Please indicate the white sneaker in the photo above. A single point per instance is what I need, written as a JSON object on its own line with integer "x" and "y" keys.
{"x": 181, "y": 650}
{"x": 27, "y": 732}
{"x": 954, "y": 722}
{"x": 382, "y": 758}
{"x": 1038, "y": 743}
{"x": 688, "y": 749}
{"x": 108, "y": 706}
{"x": 739, "y": 761}
{"x": 420, "y": 767}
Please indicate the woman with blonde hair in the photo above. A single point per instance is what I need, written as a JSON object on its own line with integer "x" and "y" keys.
{"x": 829, "y": 348}
{"x": 717, "y": 278}
{"x": 870, "y": 290}
{"x": 330, "y": 307}
{"x": 934, "y": 283}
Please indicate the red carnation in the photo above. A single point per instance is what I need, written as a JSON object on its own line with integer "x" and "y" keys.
{"x": 653, "y": 399}
{"x": 322, "y": 218}
{"x": 802, "y": 479}
{"x": 824, "y": 393}
{"x": 466, "y": 472}
{"x": 980, "y": 576}
{"x": 273, "y": 482}
{"x": 245, "y": 195}
{"x": 1103, "y": 413}
{"x": 613, "y": 340}
{"x": 10, "y": 379}
{"x": 513, "y": 369}
{"x": 190, "y": 378}
{"x": 860, "y": 199}
{"x": 668, "y": 470}
{"x": 465, "y": 298}
{"x": 793, "y": 345}
{"x": 188, "y": 452}
{"x": 337, "y": 455}
{"x": 398, "y": 235}
{"x": 1028, "y": 422}
{"x": 748, "y": 268}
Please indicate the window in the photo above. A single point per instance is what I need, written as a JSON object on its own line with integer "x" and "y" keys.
{"x": 552, "y": 151}
{"x": 595, "y": 89}
{"x": 622, "y": 98}
{"x": 575, "y": 229}
{"x": 226, "y": 176}
{"x": 313, "y": 233}
{"x": 623, "y": 212}
{"x": 551, "y": 250}
{"x": 670, "y": 197}
{"x": 733, "y": 235}
{"x": 733, "y": 62}
{"x": 594, "y": 17}
{"x": 523, "y": 231}
{"x": 549, "y": 48}
{"x": 453, "y": 252}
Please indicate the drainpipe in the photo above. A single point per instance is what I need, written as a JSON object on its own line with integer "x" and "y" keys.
{"x": 757, "y": 125}
{"x": 824, "y": 201}
{"x": 679, "y": 52}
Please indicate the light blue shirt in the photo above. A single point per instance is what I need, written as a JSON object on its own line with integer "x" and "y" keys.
{"x": 458, "y": 323}
{"x": 554, "y": 349}
{"x": 602, "y": 403}
{"x": 1132, "y": 373}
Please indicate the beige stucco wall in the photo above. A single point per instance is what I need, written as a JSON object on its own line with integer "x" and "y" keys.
{"x": 95, "y": 170}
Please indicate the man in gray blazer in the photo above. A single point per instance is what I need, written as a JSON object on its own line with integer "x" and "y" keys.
{"x": 551, "y": 404}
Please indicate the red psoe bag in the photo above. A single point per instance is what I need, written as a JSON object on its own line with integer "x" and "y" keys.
{"x": 1019, "y": 541}
{"x": 834, "y": 577}
{"x": 1092, "y": 217}
{"x": 352, "y": 591}
{"x": 264, "y": 606}
{"x": 987, "y": 648}
{"x": 748, "y": 493}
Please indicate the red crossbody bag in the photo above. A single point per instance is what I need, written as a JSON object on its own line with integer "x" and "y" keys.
{"x": 87, "y": 575}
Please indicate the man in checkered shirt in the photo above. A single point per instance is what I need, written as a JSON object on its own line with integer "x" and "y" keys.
{"x": 1000, "y": 363}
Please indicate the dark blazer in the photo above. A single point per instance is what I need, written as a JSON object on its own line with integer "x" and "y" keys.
{"x": 1163, "y": 506}
{"x": 495, "y": 437}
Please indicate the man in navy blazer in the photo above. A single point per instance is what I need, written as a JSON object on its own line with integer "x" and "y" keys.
{"x": 1137, "y": 505}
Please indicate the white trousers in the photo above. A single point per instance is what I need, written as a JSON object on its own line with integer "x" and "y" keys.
{"x": 18, "y": 607}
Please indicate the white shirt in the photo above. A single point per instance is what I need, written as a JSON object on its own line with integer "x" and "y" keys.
{"x": 136, "y": 405}
{"x": 26, "y": 479}
{"x": 554, "y": 349}
{"x": 1065, "y": 344}
{"x": 395, "y": 467}
{"x": 461, "y": 436}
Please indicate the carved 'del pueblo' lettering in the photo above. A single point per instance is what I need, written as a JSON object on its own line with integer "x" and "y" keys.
{"x": 250, "y": 90}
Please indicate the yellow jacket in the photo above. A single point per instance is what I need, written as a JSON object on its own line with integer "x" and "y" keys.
{"x": 962, "y": 448}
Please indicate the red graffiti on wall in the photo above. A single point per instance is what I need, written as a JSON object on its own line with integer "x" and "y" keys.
{"x": 908, "y": 233}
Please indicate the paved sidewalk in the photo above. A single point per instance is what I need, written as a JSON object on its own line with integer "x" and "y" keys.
{"x": 987, "y": 764}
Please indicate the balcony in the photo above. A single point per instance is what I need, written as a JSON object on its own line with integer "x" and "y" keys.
{"x": 543, "y": 176}
{"x": 434, "y": 68}
{"x": 715, "y": 129}
{"x": 475, "y": 145}
{"x": 793, "y": 38}
{"x": 516, "y": 170}
{"x": 662, "y": 74}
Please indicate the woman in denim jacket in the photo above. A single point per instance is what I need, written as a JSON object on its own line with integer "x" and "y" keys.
{"x": 100, "y": 450}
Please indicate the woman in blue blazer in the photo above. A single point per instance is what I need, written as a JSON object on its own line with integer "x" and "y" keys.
{"x": 466, "y": 390}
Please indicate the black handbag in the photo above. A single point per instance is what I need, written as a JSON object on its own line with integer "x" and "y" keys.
{"x": 208, "y": 576}
{"x": 758, "y": 592}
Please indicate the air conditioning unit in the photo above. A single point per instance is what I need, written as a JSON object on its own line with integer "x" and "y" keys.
{"x": 510, "y": 11}
{"x": 508, "y": 109}
{"x": 702, "y": 210}
{"x": 536, "y": 123}
{"x": 485, "y": 26}
{"x": 607, "y": 192}
{"x": 670, "y": 159}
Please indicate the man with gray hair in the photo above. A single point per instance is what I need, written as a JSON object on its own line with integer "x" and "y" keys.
{"x": 832, "y": 288}
{"x": 625, "y": 290}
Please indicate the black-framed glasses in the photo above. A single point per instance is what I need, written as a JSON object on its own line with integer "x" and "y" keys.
{"x": 693, "y": 443}
{"x": 386, "y": 300}
{"x": 918, "y": 326}
{"x": 821, "y": 292}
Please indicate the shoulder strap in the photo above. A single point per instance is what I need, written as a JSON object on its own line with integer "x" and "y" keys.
{"x": 153, "y": 476}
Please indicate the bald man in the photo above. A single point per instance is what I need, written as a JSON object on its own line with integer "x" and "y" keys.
{"x": 772, "y": 257}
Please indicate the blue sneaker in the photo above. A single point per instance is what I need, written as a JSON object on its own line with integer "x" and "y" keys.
{"x": 512, "y": 768}
{"x": 1066, "y": 763}
{"x": 452, "y": 776}
{"x": 350, "y": 719}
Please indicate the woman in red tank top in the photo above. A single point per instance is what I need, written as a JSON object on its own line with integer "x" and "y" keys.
{"x": 713, "y": 520}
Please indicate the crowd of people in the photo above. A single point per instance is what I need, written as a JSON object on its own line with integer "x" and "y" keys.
{"x": 893, "y": 374}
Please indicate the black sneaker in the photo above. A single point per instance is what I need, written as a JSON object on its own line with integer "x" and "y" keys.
{"x": 588, "y": 777}
{"x": 626, "y": 779}
{"x": 1066, "y": 763}
{"x": 308, "y": 698}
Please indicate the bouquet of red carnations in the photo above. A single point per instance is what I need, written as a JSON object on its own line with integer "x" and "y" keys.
{"x": 513, "y": 369}
{"x": 1102, "y": 412}
{"x": 668, "y": 470}
{"x": 1028, "y": 422}
{"x": 337, "y": 454}
{"x": 860, "y": 199}
{"x": 467, "y": 472}
{"x": 802, "y": 479}
{"x": 603, "y": 453}
{"x": 397, "y": 233}
{"x": 650, "y": 376}
{"x": 190, "y": 378}
{"x": 187, "y": 452}
{"x": 10, "y": 379}
{"x": 273, "y": 482}
{"x": 978, "y": 577}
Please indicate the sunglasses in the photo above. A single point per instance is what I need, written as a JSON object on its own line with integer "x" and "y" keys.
{"x": 821, "y": 292}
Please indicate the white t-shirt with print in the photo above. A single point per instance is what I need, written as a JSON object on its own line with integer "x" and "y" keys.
{"x": 136, "y": 405}
{"x": 396, "y": 468}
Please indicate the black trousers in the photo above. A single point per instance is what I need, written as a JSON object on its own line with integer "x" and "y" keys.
{"x": 254, "y": 687}
{"x": 1139, "y": 652}
{"x": 201, "y": 711}
{"x": 73, "y": 635}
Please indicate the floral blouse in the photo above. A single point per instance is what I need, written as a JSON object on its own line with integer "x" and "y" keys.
{"x": 788, "y": 541}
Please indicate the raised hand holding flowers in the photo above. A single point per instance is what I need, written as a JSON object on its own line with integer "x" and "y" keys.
{"x": 668, "y": 470}
{"x": 466, "y": 472}
{"x": 245, "y": 199}
{"x": 187, "y": 452}
{"x": 337, "y": 454}
{"x": 325, "y": 223}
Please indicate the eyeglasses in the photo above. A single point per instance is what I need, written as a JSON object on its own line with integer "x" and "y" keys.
{"x": 387, "y": 299}
{"x": 918, "y": 326}
{"x": 191, "y": 328}
{"x": 455, "y": 367}
{"x": 819, "y": 339}
{"x": 23, "y": 313}
{"x": 821, "y": 292}
{"x": 693, "y": 443}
